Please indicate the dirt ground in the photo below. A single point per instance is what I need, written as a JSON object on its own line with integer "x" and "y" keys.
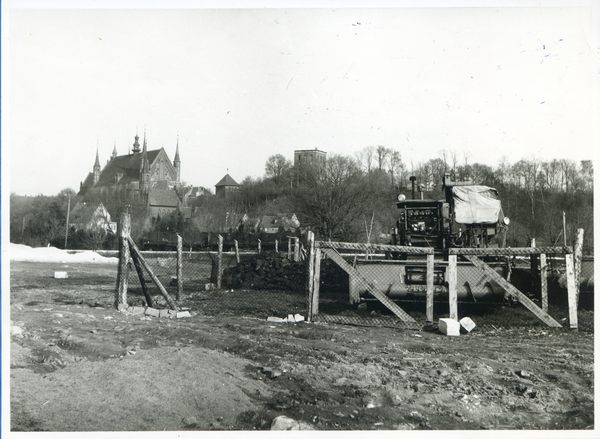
{"x": 77, "y": 364}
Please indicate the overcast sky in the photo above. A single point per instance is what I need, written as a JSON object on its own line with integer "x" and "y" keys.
{"x": 240, "y": 85}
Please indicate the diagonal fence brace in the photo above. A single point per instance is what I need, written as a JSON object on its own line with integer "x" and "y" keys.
{"x": 338, "y": 259}
{"x": 135, "y": 250}
{"x": 513, "y": 291}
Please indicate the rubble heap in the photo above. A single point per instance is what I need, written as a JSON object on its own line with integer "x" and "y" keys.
{"x": 268, "y": 270}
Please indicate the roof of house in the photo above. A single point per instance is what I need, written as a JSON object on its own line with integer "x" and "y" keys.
{"x": 226, "y": 181}
{"x": 163, "y": 197}
{"x": 83, "y": 213}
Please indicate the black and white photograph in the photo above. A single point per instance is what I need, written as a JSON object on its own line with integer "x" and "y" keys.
{"x": 332, "y": 218}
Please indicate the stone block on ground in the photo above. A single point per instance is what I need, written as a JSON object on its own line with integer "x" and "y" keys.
{"x": 208, "y": 287}
{"x": 152, "y": 312}
{"x": 290, "y": 318}
{"x": 299, "y": 318}
{"x": 449, "y": 327}
{"x": 122, "y": 307}
{"x": 60, "y": 275}
{"x": 466, "y": 324}
{"x": 172, "y": 312}
{"x": 275, "y": 319}
{"x": 283, "y": 423}
{"x": 182, "y": 314}
{"x": 163, "y": 313}
{"x": 138, "y": 310}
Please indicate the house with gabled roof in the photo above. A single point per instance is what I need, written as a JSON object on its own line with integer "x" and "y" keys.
{"x": 91, "y": 217}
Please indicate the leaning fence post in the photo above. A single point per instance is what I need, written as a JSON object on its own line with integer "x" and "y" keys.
{"x": 429, "y": 305}
{"x": 220, "y": 262}
{"x": 310, "y": 274}
{"x": 237, "y": 251}
{"x": 544, "y": 281}
{"x": 577, "y": 252}
{"x": 124, "y": 227}
{"x": 571, "y": 291}
{"x": 179, "y": 267}
{"x": 452, "y": 286}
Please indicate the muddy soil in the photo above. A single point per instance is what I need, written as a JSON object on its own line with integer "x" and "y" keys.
{"x": 77, "y": 364}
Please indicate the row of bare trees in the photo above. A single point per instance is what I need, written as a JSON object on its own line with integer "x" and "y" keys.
{"x": 351, "y": 198}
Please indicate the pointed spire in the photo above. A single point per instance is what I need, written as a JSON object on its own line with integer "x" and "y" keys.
{"x": 114, "y": 153}
{"x": 177, "y": 162}
{"x": 136, "y": 144}
{"x": 144, "y": 138}
{"x": 176, "y": 159}
{"x": 97, "y": 163}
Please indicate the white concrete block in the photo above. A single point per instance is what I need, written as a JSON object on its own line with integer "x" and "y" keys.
{"x": 290, "y": 318}
{"x": 60, "y": 275}
{"x": 274, "y": 319}
{"x": 449, "y": 327}
{"x": 466, "y": 324}
{"x": 152, "y": 312}
{"x": 183, "y": 314}
{"x": 299, "y": 318}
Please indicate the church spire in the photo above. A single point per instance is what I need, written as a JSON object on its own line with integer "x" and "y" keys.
{"x": 177, "y": 161}
{"x": 136, "y": 144}
{"x": 97, "y": 167}
{"x": 114, "y": 153}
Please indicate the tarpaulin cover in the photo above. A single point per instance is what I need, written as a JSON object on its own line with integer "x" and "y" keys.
{"x": 476, "y": 204}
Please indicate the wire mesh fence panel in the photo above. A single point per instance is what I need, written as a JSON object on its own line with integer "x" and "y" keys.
{"x": 482, "y": 295}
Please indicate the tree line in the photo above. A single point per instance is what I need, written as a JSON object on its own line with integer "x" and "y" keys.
{"x": 348, "y": 198}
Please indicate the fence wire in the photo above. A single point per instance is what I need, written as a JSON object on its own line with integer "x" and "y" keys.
{"x": 479, "y": 297}
{"x": 271, "y": 284}
{"x": 260, "y": 285}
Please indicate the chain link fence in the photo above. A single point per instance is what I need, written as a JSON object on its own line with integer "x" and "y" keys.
{"x": 252, "y": 284}
{"x": 392, "y": 292}
{"x": 344, "y": 298}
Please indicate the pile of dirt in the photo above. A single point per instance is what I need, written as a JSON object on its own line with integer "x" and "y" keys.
{"x": 273, "y": 271}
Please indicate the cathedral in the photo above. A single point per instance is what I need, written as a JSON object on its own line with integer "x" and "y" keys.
{"x": 148, "y": 177}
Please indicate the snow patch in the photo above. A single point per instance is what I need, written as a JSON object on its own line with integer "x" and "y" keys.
{"x": 20, "y": 252}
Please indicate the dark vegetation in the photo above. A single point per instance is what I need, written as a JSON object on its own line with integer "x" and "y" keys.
{"x": 345, "y": 198}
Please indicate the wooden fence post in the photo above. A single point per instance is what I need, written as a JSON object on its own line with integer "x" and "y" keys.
{"x": 316, "y": 282}
{"x": 276, "y": 246}
{"x": 571, "y": 291}
{"x": 310, "y": 274}
{"x": 259, "y": 246}
{"x": 296, "y": 249}
{"x": 289, "y": 249}
{"x": 429, "y": 304}
{"x": 179, "y": 267}
{"x": 124, "y": 228}
{"x": 578, "y": 253}
{"x": 237, "y": 251}
{"x": 220, "y": 262}
{"x": 452, "y": 287}
{"x": 544, "y": 281}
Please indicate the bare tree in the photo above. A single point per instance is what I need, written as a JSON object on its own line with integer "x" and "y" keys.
{"x": 365, "y": 157}
{"x": 382, "y": 155}
{"x": 277, "y": 167}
